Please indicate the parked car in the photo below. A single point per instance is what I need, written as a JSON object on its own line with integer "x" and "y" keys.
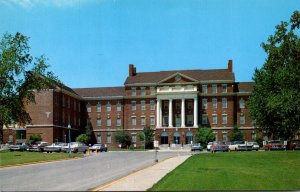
{"x": 18, "y": 147}
{"x": 219, "y": 146}
{"x": 255, "y": 145}
{"x": 75, "y": 147}
{"x": 196, "y": 146}
{"x": 208, "y": 146}
{"x": 294, "y": 145}
{"x": 55, "y": 147}
{"x": 39, "y": 146}
{"x": 240, "y": 146}
{"x": 98, "y": 147}
{"x": 274, "y": 145}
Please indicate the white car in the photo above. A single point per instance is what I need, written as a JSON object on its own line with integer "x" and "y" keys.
{"x": 75, "y": 147}
{"x": 209, "y": 146}
{"x": 240, "y": 146}
{"x": 255, "y": 145}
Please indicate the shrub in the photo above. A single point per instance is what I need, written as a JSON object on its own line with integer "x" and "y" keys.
{"x": 82, "y": 138}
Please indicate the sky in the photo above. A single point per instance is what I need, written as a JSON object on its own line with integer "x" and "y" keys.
{"x": 90, "y": 43}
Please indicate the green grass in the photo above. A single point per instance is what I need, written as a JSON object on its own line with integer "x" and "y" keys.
{"x": 278, "y": 170}
{"x": 12, "y": 158}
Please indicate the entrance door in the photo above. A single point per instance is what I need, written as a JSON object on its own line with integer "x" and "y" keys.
{"x": 164, "y": 138}
{"x": 176, "y": 138}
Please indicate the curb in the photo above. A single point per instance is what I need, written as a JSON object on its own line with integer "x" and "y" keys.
{"x": 124, "y": 177}
{"x": 37, "y": 162}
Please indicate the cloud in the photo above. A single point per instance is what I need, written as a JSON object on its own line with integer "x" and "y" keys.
{"x": 29, "y": 4}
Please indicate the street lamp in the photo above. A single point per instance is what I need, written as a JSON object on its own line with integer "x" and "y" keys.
{"x": 69, "y": 128}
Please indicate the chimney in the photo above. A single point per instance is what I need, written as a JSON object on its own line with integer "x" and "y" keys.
{"x": 230, "y": 65}
{"x": 131, "y": 70}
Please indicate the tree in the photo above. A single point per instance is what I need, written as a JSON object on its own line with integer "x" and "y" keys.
{"x": 204, "y": 135}
{"x": 20, "y": 77}
{"x": 147, "y": 135}
{"x": 122, "y": 137}
{"x": 275, "y": 101}
{"x": 236, "y": 134}
{"x": 82, "y": 138}
{"x": 35, "y": 137}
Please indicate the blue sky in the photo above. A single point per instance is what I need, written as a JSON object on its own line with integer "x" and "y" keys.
{"x": 90, "y": 43}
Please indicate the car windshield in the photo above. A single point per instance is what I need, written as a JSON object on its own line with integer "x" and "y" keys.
{"x": 238, "y": 142}
{"x": 96, "y": 145}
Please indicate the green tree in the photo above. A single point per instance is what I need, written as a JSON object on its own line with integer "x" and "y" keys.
{"x": 122, "y": 137}
{"x": 147, "y": 135}
{"x": 21, "y": 76}
{"x": 275, "y": 101}
{"x": 204, "y": 135}
{"x": 82, "y": 138}
{"x": 236, "y": 134}
{"x": 35, "y": 137}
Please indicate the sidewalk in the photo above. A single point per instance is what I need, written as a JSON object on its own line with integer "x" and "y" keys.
{"x": 145, "y": 178}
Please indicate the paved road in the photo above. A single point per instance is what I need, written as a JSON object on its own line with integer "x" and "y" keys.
{"x": 78, "y": 174}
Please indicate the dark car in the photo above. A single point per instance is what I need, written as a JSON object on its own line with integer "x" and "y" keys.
{"x": 274, "y": 145}
{"x": 98, "y": 147}
{"x": 196, "y": 147}
{"x": 294, "y": 145}
{"x": 219, "y": 146}
{"x": 18, "y": 147}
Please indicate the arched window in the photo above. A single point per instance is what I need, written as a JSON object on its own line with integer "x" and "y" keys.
{"x": 188, "y": 137}
{"x": 164, "y": 138}
{"x": 176, "y": 138}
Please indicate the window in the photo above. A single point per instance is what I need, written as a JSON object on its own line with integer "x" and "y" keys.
{"x": 99, "y": 139}
{"x": 204, "y": 103}
{"x": 88, "y": 108}
{"x": 69, "y": 102}
{"x": 108, "y": 138}
{"x": 108, "y": 107}
{"x": 190, "y": 104}
{"x": 143, "y": 105}
{"x": 224, "y": 136}
{"x": 214, "y": 88}
{"x": 119, "y": 122}
{"x": 204, "y": 119}
{"x": 152, "y": 91}
{"x": 214, "y": 119}
{"x": 74, "y": 105}
{"x": 133, "y": 138}
{"x": 79, "y": 108}
{"x": 133, "y": 120}
{"x": 204, "y": 88}
{"x": 63, "y": 116}
{"x": 79, "y": 123}
{"x": 242, "y": 119}
{"x": 98, "y": 122}
{"x": 242, "y": 103}
{"x": 133, "y": 105}
{"x": 143, "y": 121}
{"x": 224, "y": 119}
{"x": 214, "y": 103}
{"x": 108, "y": 122}
{"x": 178, "y": 104}
{"x": 74, "y": 120}
{"x": 224, "y": 103}
{"x": 133, "y": 91}
{"x": 152, "y": 120}
{"x": 119, "y": 106}
{"x": 143, "y": 91}
{"x": 152, "y": 103}
{"x": 224, "y": 88}
{"x": 98, "y": 107}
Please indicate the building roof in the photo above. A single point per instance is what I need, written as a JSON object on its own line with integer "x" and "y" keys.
{"x": 245, "y": 86}
{"x": 199, "y": 75}
{"x": 100, "y": 92}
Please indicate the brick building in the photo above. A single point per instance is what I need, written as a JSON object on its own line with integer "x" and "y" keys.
{"x": 173, "y": 103}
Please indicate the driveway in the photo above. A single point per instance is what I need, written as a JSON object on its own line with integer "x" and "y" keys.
{"x": 77, "y": 174}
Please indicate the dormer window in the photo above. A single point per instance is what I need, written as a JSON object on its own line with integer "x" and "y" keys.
{"x": 108, "y": 107}
{"x": 204, "y": 89}
{"x": 143, "y": 91}
{"x": 133, "y": 91}
{"x": 214, "y": 88}
{"x": 98, "y": 107}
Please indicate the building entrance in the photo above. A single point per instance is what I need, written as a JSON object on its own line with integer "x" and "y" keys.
{"x": 176, "y": 138}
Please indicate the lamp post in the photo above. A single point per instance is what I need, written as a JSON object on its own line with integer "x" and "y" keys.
{"x": 69, "y": 128}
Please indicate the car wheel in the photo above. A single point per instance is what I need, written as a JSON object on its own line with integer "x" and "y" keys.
{"x": 105, "y": 150}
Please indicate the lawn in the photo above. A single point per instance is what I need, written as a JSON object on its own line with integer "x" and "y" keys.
{"x": 278, "y": 170}
{"x": 12, "y": 158}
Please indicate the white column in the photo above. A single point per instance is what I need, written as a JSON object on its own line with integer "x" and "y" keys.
{"x": 170, "y": 113}
{"x": 183, "y": 112}
{"x": 158, "y": 107}
{"x": 160, "y": 114}
{"x": 196, "y": 111}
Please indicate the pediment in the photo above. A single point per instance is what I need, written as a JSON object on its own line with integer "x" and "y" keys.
{"x": 177, "y": 78}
